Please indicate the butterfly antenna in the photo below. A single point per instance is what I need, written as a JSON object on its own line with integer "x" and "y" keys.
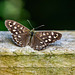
{"x": 30, "y": 23}
{"x": 39, "y": 26}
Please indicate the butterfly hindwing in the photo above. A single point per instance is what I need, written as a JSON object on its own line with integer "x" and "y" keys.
{"x": 21, "y": 40}
{"x": 43, "y": 39}
{"x": 20, "y": 33}
{"x": 37, "y": 43}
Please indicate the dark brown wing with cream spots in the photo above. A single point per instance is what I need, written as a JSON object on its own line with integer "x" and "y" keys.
{"x": 21, "y": 40}
{"x": 41, "y": 40}
{"x": 20, "y": 34}
{"x": 15, "y": 27}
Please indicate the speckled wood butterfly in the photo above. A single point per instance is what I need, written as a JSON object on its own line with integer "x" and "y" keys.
{"x": 38, "y": 40}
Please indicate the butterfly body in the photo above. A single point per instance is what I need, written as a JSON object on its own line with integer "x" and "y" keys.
{"x": 38, "y": 40}
{"x": 32, "y": 32}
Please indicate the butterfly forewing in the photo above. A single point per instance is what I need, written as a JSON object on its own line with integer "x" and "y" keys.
{"x": 42, "y": 39}
{"x": 20, "y": 34}
{"x": 15, "y": 27}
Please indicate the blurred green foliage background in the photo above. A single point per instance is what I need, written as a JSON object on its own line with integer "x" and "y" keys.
{"x": 54, "y": 14}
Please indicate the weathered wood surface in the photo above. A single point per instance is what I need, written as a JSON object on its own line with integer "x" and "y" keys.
{"x": 64, "y": 46}
{"x": 58, "y": 59}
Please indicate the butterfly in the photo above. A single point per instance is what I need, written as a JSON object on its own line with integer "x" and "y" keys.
{"x": 38, "y": 40}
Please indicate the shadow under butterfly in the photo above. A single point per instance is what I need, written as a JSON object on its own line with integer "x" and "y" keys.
{"x": 38, "y": 40}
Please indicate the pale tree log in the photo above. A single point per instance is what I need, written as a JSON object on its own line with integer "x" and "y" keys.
{"x": 57, "y": 59}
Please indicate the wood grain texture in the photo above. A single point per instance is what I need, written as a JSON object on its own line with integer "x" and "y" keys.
{"x": 57, "y": 59}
